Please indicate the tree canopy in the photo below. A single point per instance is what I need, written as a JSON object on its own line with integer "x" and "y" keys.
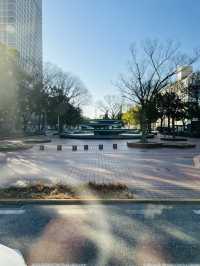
{"x": 151, "y": 69}
{"x": 110, "y": 107}
{"x": 28, "y": 101}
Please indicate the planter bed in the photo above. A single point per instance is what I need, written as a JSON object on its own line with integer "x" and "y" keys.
{"x": 98, "y": 137}
{"x": 89, "y": 190}
{"x": 152, "y": 145}
{"x": 13, "y": 146}
{"x": 174, "y": 139}
{"x": 36, "y": 141}
{"x": 179, "y": 145}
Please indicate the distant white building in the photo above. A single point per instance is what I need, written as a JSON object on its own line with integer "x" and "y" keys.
{"x": 21, "y": 28}
{"x": 187, "y": 84}
{"x": 184, "y": 72}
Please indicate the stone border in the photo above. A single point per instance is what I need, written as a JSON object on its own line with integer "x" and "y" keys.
{"x": 174, "y": 139}
{"x": 88, "y": 190}
{"x": 99, "y": 201}
{"x": 153, "y": 145}
{"x": 2, "y": 158}
{"x": 150, "y": 145}
{"x": 179, "y": 145}
{"x": 15, "y": 147}
{"x": 36, "y": 141}
{"x": 196, "y": 161}
{"x": 104, "y": 137}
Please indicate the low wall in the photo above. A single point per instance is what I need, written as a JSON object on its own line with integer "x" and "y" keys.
{"x": 104, "y": 137}
{"x": 2, "y": 158}
{"x": 196, "y": 161}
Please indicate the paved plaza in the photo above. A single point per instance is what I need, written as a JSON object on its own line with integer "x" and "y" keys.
{"x": 150, "y": 173}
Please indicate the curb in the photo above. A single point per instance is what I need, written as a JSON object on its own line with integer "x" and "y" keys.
{"x": 2, "y": 157}
{"x": 33, "y": 142}
{"x": 155, "y": 145}
{"x": 196, "y": 161}
{"x": 15, "y": 148}
{"x": 100, "y": 202}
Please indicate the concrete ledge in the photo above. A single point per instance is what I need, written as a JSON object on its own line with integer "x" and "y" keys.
{"x": 149, "y": 145}
{"x": 2, "y": 158}
{"x": 94, "y": 137}
{"x": 36, "y": 141}
{"x": 196, "y": 161}
{"x": 100, "y": 202}
{"x": 179, "y": 145}
{"x": 11, "y": 146}
{"x": 152, "y": 145}
{"x": 104, "y": 137}
{"x": 174, "y": 139}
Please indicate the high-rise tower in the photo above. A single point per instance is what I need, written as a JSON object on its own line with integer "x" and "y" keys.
{"x": 21, "y": 28}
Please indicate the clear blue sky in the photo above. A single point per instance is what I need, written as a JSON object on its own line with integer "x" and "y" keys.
{"x": 91, "y": 38}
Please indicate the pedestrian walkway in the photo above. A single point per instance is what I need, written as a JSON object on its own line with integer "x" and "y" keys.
{"x": 158, "y": 173}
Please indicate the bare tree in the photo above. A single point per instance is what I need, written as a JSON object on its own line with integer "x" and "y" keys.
{"x": 65, "y": 91}
{"x": 151, "y": 69}
{"x": 57, "y": 81}
{"x": 110, "y": 106}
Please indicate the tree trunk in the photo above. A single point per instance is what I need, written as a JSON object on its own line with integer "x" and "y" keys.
{"x": 173, "y": 128}
{"x": 39, "y": 122}
{"x": 143, "y": 125}
{"x": 24, "y": 125}
{"x": 161, "y": 123}
{"x": 183, "y": 121}
{"x": 149, "y": 127}
{"x": 42, "y": 122}
{"x": 60, "y": 125}
{"x": 168, "y": 124}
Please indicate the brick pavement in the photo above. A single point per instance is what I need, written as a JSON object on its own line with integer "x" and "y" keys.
{"x": 159, "y": 173}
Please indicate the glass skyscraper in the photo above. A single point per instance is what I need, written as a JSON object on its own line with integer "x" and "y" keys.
{"x": 21, "y": 28}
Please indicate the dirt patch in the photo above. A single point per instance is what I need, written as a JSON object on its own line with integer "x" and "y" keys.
{"x": 59, "y": 191}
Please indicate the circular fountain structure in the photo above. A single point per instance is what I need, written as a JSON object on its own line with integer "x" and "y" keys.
{"x": 103, "y": 129}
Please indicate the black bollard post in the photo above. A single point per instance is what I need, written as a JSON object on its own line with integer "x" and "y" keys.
{"x": 74, "y": 148}
{"x": 101, "y": 147}
{"x": 86, "y": 147}
{"x": 59, "y": 147}
{"x": 115, "y": 146}
{"x": 41, "y": 147}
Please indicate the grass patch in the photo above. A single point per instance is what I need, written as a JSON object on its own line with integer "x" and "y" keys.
{"x": 6, "y": 146}
{"x": 90, "y": 190}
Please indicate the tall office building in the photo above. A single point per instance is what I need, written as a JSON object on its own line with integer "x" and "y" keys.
{"x": 21, "y": 28}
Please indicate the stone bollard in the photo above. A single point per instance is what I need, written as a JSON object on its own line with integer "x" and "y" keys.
{"x": 41, "y": 147}
{"x": 74, "y": 148}
{"x": 86, "y": 147}
{"x": 101, "y": 147}
{"x": 115, "y": 146}
{"x": 59, "y": 147}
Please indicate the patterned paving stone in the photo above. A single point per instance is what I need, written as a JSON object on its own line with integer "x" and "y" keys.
{"x": 160, "y": 173}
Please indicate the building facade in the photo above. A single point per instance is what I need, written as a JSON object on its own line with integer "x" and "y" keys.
{"x": 187, "y": 87}
{"x": 187, "y": 84}
{"x": 21, "y": 29}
